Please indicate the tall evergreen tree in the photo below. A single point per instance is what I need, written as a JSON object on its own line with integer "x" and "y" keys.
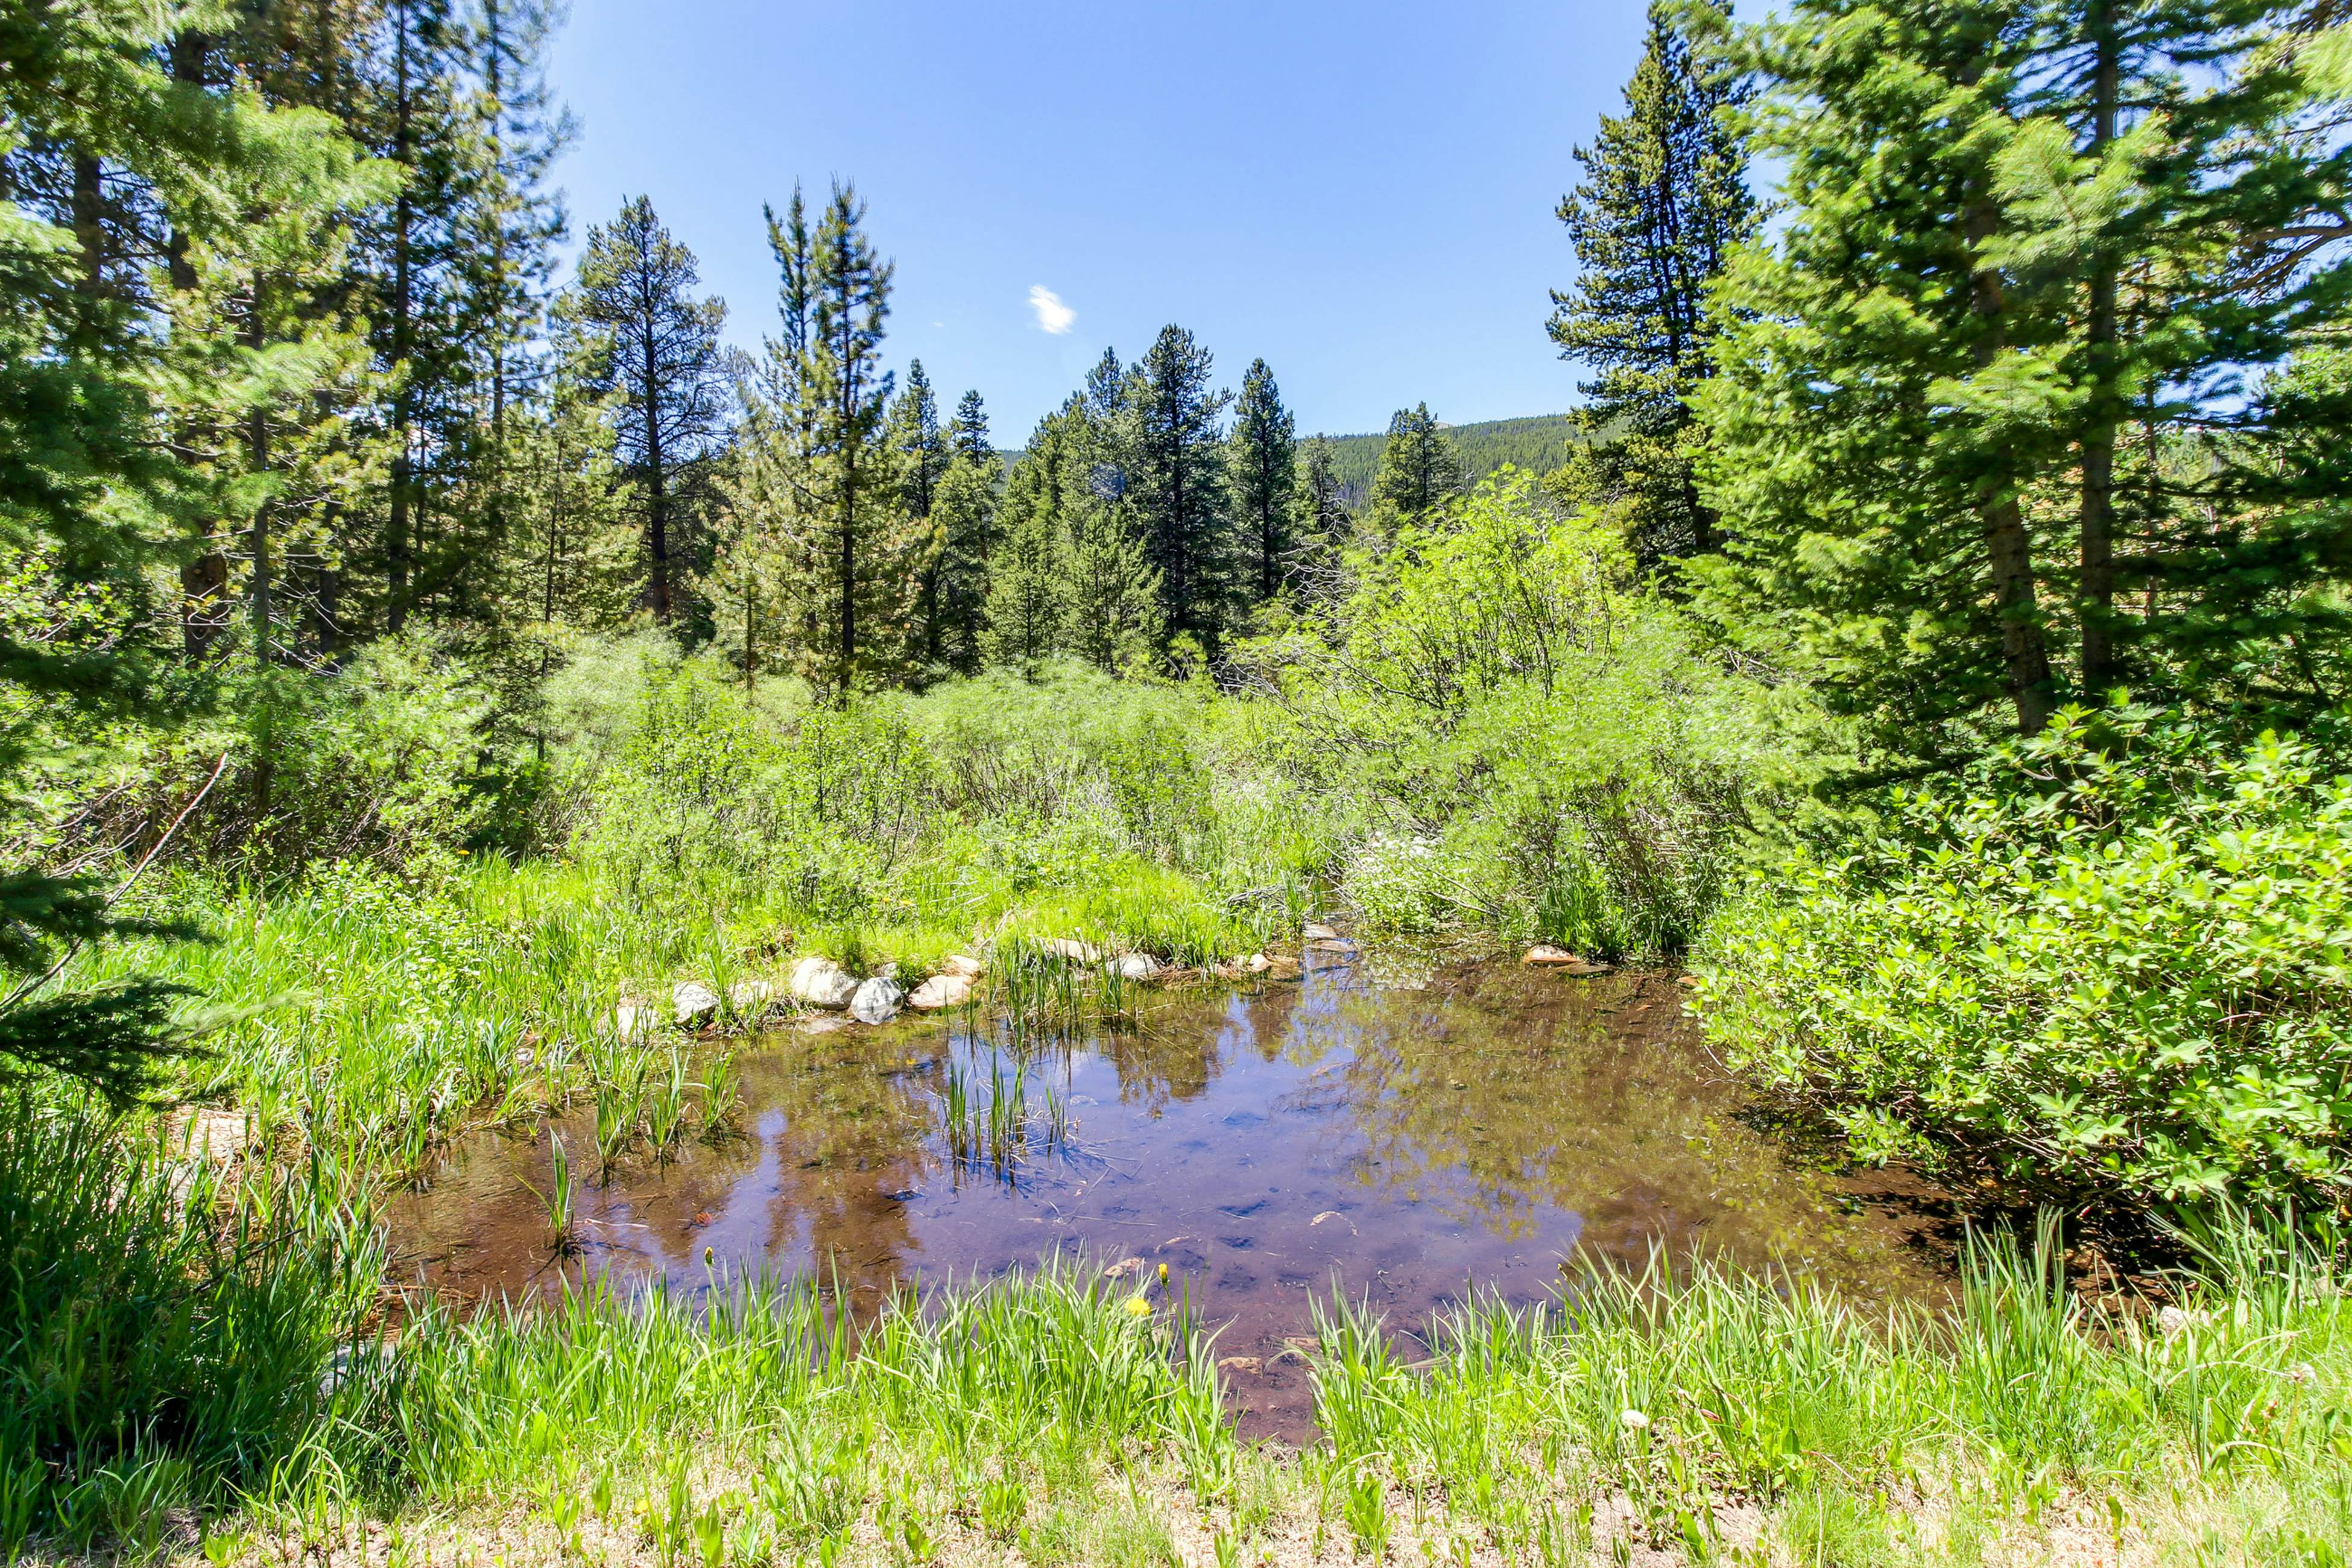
{"x": 968, "y": 431}
{"x": 1324, "y": 519}
{"x": 111, "y": 160}
{"x": 916, "y": 442}
{"x": 2017, "y": 231}
{"x": 1663, "y": 199}
{"x": 964, "y": 516}
{"x": 1177, "y": 483}
{"x": 656, "y": 345}
{"x": 919, "y": 447}
{"x": 853, "y": 544}
{"x": 1420, "y": 471}
{"x": 1264, "y": 462}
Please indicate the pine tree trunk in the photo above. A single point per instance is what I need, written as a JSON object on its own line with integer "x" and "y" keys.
{"x": 2097, "y": 523}
{"x": 396, "y": 537}
{"x": 258, "y": 454}
{"x": 204, "y": 580}
{"x": 848, "y": 567}
{"x": 2025, "y": 656}
{"x": 657, "y": 585}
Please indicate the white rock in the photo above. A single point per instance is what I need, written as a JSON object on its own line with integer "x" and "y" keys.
{"x": 750, "y": 997}
{"x": 1257, "y": 963}
{"x": 1317, "y": 931}
{"x": 941, "y": 991}
{"x": 963, "y": 966}
{"x": 877, "y": 1000}
{"x": 693, "y": 1003}
{"x": 632, "y": 1020}
{"x": 1138, "y": 966}
{"x": 822, "y": 983}
{"x": 2173, "y": 1321}
{"x": 1073, "y": 951}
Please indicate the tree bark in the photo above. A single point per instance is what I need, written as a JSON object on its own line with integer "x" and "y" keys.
{"x": 2097, "y": 582}
{"x": 657, "y": 595}
{"x": 397, "y": 541}
{"x": 2009, "y": 554}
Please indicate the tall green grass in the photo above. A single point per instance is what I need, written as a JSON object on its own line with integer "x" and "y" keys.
{"x": 163, "y": 1341}
{"x": 1674, "y": 1396}
{"x": 798, "y": 1421}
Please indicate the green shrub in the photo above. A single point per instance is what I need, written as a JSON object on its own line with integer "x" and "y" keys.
{"x": 2113, "y": 962}
{"x": 1518, "y": 736}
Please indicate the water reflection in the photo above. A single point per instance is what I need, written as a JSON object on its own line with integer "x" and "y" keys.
{"x": 1407, "y": 1144}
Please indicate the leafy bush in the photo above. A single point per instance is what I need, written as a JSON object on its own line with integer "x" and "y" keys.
{"x": 1528, "y": 740}
{"x": 2114, "y": 961}
{"x": 1074, "y": 797}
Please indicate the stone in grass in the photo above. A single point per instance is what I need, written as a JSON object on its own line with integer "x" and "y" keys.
{"x": 963, "y": 966}
{"x": 877, "y": 1000}
{"x": 750, "y": 998}
{"x": 822, "y": 983}
{"x": 632, "y": 1020}
{"x": 692, "y": 1003}
{"x": 1138, "y": 966}
{"x": 1317, "y": 931}
{"x": 1273, "y": 965}
{"x": 941, "y": 991}
{"x": 1072, "y": 950}
{"x": 1544, "y": 955}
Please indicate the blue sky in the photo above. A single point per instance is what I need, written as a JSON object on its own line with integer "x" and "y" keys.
{"x": 1361, "y": 193}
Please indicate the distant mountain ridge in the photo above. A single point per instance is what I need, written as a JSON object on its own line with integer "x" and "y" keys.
{"x": 1538, "y": 442}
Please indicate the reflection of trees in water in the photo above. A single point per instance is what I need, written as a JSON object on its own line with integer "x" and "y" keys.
{"x": 1162, "y": 1060}
{"x": 857, "y": 1116}
{"x": 1590, "y": 1100}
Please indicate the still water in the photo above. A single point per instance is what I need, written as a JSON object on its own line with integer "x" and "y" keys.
{"x": 1408, "y": 1138}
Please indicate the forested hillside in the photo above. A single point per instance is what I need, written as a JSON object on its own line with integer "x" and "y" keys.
{"x": 1539, "y": 444}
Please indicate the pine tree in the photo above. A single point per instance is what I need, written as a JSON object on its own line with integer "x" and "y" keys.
{"x": 745, "y": 584}
{"x": 1264, "y": 464}
{"x": 963, "y": 515}
{"x": 968, "y": 431}
{"x": 1324, "y": 519}
{"x": 853, "y": 552}
{"x": 1420, "y": 471}
{"x": 114, "y": 159}
{"x": 1027, "y": 581}
{"x": 916, "y": 442}
{"x": 2016, "y": 232}
{"x": 1664, "y": 198}
{"x": 651, "y": 341}
{"x": 1111, "y": 595}
{"x": 1174, "y": 475}
{"x": 920, "y": 449}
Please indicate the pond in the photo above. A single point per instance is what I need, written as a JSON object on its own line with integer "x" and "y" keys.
{"x": 1404, "y": 1137}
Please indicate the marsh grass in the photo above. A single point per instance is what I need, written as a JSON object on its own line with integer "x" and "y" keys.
{"x": 1676, "y": 1393}
{"x": 988, "y": 1124}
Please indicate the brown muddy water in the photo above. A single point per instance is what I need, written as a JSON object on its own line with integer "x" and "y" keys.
{"x": 1408, "y": 1139}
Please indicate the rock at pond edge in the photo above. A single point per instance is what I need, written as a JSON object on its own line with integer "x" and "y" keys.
{"x": 693, "y": 1003}
{"x": 822, "y": 983}
{"x": 877, "y": 1000}
{"x": 941, "y": 991}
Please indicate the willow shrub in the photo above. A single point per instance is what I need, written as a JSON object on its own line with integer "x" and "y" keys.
{"x": 1531, "y": 741}
{"x": 2112, "y": 962}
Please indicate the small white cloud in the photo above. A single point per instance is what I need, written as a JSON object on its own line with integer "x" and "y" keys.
{"x": 1052, "y": 316}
